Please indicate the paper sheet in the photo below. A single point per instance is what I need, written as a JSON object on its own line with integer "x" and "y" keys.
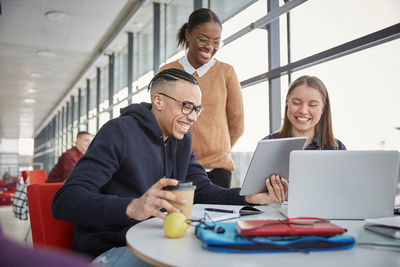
{"x": 199, "y": 210}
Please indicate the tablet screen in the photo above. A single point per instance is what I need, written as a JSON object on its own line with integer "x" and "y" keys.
{"x": 270, "y": 157}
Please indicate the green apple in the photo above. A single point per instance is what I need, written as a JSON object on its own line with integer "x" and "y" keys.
{"x": 175, "y": 225}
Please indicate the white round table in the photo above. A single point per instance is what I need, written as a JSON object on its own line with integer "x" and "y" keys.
{"x": 147, "y": 241}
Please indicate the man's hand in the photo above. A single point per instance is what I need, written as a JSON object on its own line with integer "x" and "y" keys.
{"x": 277, "y": 192}
{"x": 153, "y": 200}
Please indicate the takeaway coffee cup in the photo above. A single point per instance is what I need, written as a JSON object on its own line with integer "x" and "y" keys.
{"x": 186, "y": 191}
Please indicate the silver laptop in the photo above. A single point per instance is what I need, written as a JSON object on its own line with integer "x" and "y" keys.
{"x": 271, "y": 156}
{"x": 342, "y": 184}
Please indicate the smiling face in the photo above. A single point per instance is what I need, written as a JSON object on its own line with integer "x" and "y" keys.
{"x": 305, "y": 107}
{"x": 203, "y": 42}
{"x": 82, "y": 142}
{"x": 168, "y": 112}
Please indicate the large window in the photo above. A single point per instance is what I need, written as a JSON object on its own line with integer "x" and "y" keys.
{"x": 145, "y": 49}
{"x": 255, "y": 101}
{"x": 120, "y": 100}
{"x": 59, "y": 133}
{"x": 68, "y": 116}
{"x": 104, "y": 88}
{"x": 92, "y": 125}
{"x": 362, "y": 86}
{"x": 64, "y": 129}
{"x": 226, "y": 9}
{"x": 364, "y": 96}
{"x": 104, "y": 115}
{"x": 75, "y": 118}
{"x": 250, "y": 61}
{"x": 176, "y": 14}
{"x": 83, "y": 109}
{"x": 364, "y": 109}
{"x": 319, "y": 25}
{"x": 253, "y": 60}
{"x": 120, "y": 81}
{"x": 141, "y": 96}
{"x": 120, "y": 69}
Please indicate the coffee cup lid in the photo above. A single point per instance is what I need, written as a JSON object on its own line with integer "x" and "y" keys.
{"x": 182, "y": 185}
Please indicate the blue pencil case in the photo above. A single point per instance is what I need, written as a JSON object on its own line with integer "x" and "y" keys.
{"x": 222, "y": 237}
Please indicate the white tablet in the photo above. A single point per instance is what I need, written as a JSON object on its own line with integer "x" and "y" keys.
{"x": 271, "y": 157}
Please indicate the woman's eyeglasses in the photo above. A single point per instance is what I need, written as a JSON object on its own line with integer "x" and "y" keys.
{"x": 206, "y": 42}
{"x": 187, "y": 106}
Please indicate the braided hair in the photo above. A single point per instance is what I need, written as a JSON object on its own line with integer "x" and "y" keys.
{"x": 165, "y": 77}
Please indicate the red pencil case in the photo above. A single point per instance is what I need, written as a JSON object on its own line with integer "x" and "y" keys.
{"x": 298, "y": 226}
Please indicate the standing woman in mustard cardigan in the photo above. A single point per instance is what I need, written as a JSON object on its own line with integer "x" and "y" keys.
{"x": 221, "y": 122}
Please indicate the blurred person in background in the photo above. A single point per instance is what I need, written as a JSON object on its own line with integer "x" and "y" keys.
{"x": 69, "y": 158}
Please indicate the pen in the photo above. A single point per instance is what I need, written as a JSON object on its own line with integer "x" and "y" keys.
{"x": 219, "y": 210}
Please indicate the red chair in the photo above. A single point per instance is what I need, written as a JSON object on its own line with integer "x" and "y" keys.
{"x": 47, "y": 231}
{"x": 24, "y": 175}
{"x": 37, "y": 176}
{"x": 6, "y": 198}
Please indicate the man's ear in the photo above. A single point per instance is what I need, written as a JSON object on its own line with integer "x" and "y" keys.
{"x": 157, "y": 102}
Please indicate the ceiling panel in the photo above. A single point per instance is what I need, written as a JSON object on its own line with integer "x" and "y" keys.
{"x": 30, "y": 15}
{"x": 102, "y": 8}
{"x": 80, "y": 42}
{"x": 90, "y": 25}
{"x": 69, "y": 6}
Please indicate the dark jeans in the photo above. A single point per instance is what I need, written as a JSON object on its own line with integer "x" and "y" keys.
{"x": 220, "y": 177}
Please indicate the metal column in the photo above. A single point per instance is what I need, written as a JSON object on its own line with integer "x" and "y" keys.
{"x": 130, "y": 65}
{"x": 87, "y": 104}
{"x": 289, "y": 50}
{"x": 274, "y": 62}
{"x": 156, "y": 37}
{"x": 62, "y": 129}
{"x": 79, "y": 108}
{"x": 197, "y": 4}
{"x": 111, "y": 83}
{"x": 72, "y": 118}
{"x": 98, "y": 78}
{"x": 67, "y": 123}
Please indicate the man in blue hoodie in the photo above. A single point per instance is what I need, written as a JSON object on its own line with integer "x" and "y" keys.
{"x": 119, "y": 181}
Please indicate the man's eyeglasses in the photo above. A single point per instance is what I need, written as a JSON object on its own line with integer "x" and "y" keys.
{"x": 187, "y": 106}
{"x": 206, "y": 42}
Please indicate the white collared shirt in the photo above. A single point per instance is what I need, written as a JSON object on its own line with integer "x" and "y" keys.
{"x": 200, "y": 71}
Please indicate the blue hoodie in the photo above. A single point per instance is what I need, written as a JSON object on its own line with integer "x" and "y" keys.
{"x": 127, "y": 156}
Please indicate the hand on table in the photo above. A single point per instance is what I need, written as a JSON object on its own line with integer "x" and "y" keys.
{"x": 150, "y": 203}
{"x": 277, "y": 192}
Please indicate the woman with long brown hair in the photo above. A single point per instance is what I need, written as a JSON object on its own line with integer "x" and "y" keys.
{"x": 308, "y": 113}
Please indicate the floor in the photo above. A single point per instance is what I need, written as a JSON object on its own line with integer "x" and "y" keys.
{"x": 14, "y": 228}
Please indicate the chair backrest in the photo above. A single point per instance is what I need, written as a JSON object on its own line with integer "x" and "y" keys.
{"x": 24, "y": 175}
{"x": 47, "y": 231}
{"x": 37, "y": 176}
